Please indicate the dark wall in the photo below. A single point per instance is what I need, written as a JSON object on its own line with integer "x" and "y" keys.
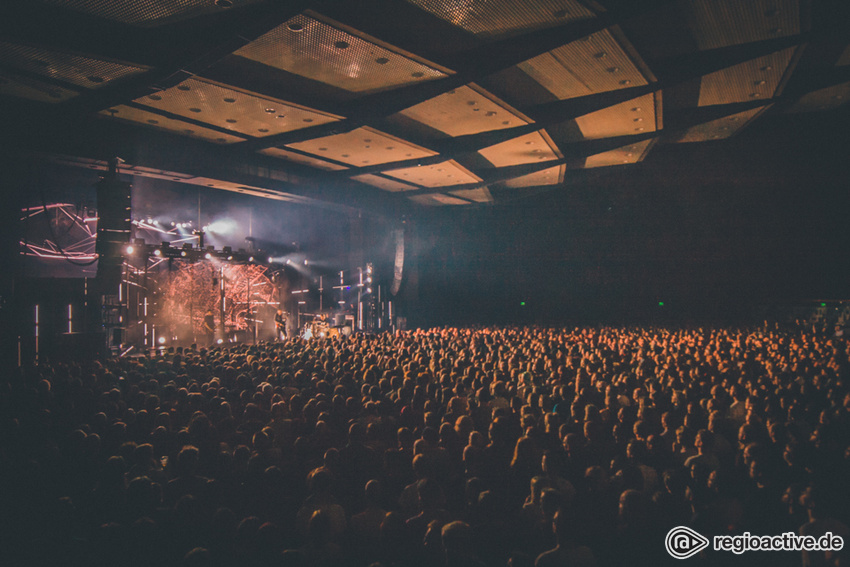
{"x": 715, "y": 231}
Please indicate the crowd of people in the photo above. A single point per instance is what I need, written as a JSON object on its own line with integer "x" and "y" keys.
{"x": 446, "y": 447}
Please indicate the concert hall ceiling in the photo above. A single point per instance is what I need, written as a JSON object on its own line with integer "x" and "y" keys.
{"x": 395, "y": 105}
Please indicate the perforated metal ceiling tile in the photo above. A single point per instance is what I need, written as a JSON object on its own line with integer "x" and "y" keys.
{"x": 308, "y": 47}
{"x": 480, "y": 195}
{"x": 824, "y": 99}
{"x": 631, "y": 117}
{"x": 382, "y": 182}
{"x": 437, "y": 200}
{"x": 632, "y": 153}
{"x": 530, "y": 148}
{"x": 81, "y": 71}
{"x": 444, "y": 174}
{"x": 13, "y": 84}
{"x": 466, "y": 110}
{"x": 302, "y": 159}
{"x": 361, "y": 147}
{"x": 551, "y": 176}
{"x": 594, "y": 64}
{"x": 722, "y": 127}
{"x": 752, "y": 80}
{"x": 498, "y": 18}
{"x": 148, "y": 12}
{"x": 234, "y": 110}
{"x": 721, "y": 23}
{"x": 237, "y": 188}
{"x": 131, "y": 114}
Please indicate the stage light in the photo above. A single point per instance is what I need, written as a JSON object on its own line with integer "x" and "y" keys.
{"x": 129, "y": 249}
{"x": 161, "y": 340}
{"x": 288, "y": 261}
{"x": 369, "y": 280}
{"x": 219, "y": 341}
{"x": 173, "y": 223}
{"x": 150, "y": 221}
{"x": 251, "y": 259}
{"x": 270, "y": 259}
{"x": 157, "y": 252}
{"x": 368, "y": 268}
{"x": 305, "y": 261}
{"x": 183, "y": 253}
{"x": 368, "y": 290}
{"x": 230, "y": 257}
{"x": 208, "y": 256}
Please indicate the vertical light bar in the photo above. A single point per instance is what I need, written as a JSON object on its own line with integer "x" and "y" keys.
{"x": 146, "y": 333}
{"x": 70, "y": 319}
{"x": 146, "y": 311}
{"x": 36, "y": 332}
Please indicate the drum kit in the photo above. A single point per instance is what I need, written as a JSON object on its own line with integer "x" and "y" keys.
{"x": 319, "y": 328}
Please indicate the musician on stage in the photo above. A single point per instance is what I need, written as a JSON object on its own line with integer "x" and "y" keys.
{"x": 209, "y": 326}
{"x": 280, "y": 325}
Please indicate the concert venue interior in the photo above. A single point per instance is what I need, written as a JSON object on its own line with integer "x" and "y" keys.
{"x": 424, "y": 282}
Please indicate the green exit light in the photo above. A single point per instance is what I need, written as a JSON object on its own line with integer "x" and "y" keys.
{"x": 660, "y": 304}
{"x": 522, "y": 303}
{"x": 823, "y": 304}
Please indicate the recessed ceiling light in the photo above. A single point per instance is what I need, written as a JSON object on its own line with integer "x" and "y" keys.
{"x": 323, "y": 149}
{"x": 767, "y": 68}
{"x": 224, "y": 3}
{"x": 417, "y": 74}
{"x": 345, "y": 155}
{"x": 638, "y": 119}
{"x": 152, "y": 121}
{"x": 183, "y": 88}
{"x": 759, "y": 83}
{"x": 263, "y": 130}
{"x": 382, "y": 60}
{"x": 639, "y": 129}
{"x": 295, "y": 27}
{"x": 625, "y": 82}
{"x": 600, "y": 55}
{"x": 637, "y": 109}
{"x": 281, "y": 116}
{"x": 754, "y": 95}
{"x": 612, "y": 69}
{"x": 341, "y": 45}
{"x": 230, "y": 100}
{"x": 230, "y": 121}
{"x": 308, "y": 120}
{"x": 154, "y": 97}
{"x": 193, "y": 109}
{"x": 490, "y": 113}
{"x": 270, "y": 110}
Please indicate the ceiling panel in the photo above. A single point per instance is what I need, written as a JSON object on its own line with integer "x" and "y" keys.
{"x": 498, "y": 18}
{"x": 302, "y": 159}
{"x": 436, "y": 200}
{"x": 550, "y": 176}
{"x": 627, "y": 118}
{"x": 444, "y": 174}
{"x": 148, "y": 12}
{"x": 757, "y": 79}
{"x": 722, "y": 127}
{"x": 479, "y": 195}
{"x": 13, "y": 84}
{"x": 74, "y": 69}
{"x": 131, "y": 114}
{"x": 633, "y": 153}
{"x": 362, "y": 146}
{"x": 594, "y": 64}
{"x": 531, "y": 148}
{"x": 237, "y": 188}
{"x": 721, "y": 23}
{"x": 382, "y": 182}
{"x": 322, "y": 52}
{"x": 228, "y": 108}
{"x": 465, "y": 110}
{"x": 823, "y": 99}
